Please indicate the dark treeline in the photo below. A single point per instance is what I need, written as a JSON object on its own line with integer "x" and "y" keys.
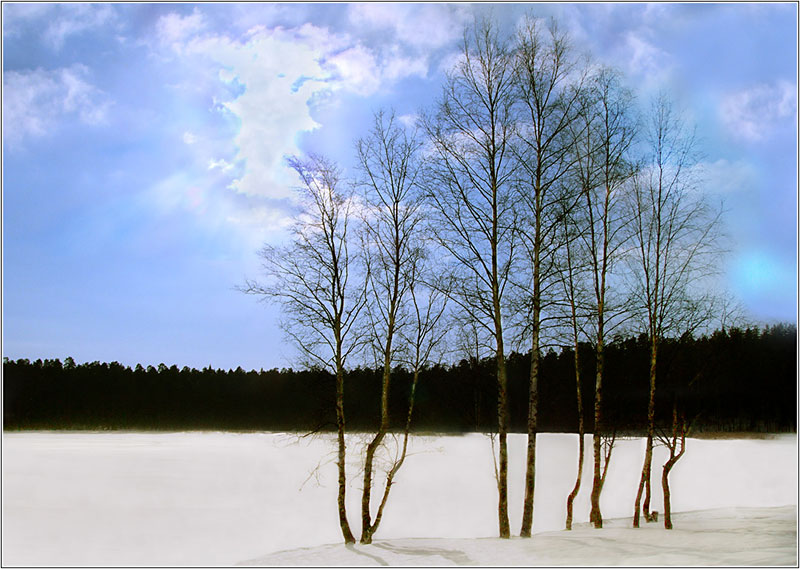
{"x": 737, "y": 380}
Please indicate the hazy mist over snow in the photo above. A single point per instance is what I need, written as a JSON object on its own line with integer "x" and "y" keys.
{"x": 221, "y": 499}
{"x": 144, "y": 150}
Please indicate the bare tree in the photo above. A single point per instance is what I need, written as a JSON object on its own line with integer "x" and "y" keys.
{"x": 571, "y": 280}
{"x": 549, "y": 99}
{"x": 674, "y": 246}
{"x": 472, "y": 202}
{"x": 603, "y": 137}
{"x": 388, "y": 165}
{"x": 313, "y": 279}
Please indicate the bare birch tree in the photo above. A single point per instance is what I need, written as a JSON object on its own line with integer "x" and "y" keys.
{"x": 388, "y": 166}
{"x": 471, "y": 199}
{"x": 603, "y": 138}
{"x": 313, "y": 278}
{"x": 674, "y": 246}
{"x": 548, "y": 101}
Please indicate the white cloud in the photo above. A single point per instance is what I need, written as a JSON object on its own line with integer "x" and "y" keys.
{"x": 281, "y": 74}
{"x": 189, "y": 138}
{"x": 220, "y": 164}
{"x": 34, "y": 102}
{"x": 753, "y": 114}
{"x": 174, "y": 29}
{"x": 408, "y": 121}
{"x": 421, "y": 26}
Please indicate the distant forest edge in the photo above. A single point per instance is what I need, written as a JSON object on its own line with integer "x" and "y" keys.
{"x": 731, "y": 381}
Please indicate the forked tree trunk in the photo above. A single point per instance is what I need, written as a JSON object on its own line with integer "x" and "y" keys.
{"x": 367, "y": 527}
{"x": 678, "y": 430}
{"x": 366, "y": 536}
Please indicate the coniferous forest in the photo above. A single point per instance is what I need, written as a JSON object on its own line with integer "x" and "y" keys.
{"x": 732, "y": 381}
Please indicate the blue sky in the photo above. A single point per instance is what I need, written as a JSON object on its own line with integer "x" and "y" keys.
{"x": 143, "y": 146}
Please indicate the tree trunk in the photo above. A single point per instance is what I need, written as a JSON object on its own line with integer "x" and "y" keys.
{"x": 678, "y": 429}
{"x": 581, "y": 450}
{"x": 597, "y": 483}
{"x": 367, "y": 527}
{"x": 644, "y": 482}
{"x": 665, "y": 488}
{"x": 343, "y": 523}
{"x": 533, "y": 410}
{"x": 502, "y": 423}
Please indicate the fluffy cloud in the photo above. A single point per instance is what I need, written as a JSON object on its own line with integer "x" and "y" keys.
{"x": 35, "y": 101}
{"x": 279, "y": 76}
{"x": 753, "y": 114}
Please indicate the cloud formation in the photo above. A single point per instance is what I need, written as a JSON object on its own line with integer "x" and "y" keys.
{"x": 34, "y": 101}
{"x": 277, "y": 77}
{"x": 420, "y": 26}
{"x": 754, "y": 114}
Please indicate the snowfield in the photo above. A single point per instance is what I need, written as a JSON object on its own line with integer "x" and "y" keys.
{"x": 731, "y": 536}
{"x": 115, "y": 499}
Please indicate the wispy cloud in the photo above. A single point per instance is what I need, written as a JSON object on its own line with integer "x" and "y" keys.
{"x": 74, "y": 19}
{"x": 57, "y": 23}
{"x": 34, "y": 102}
{"x": 754, "y": 114}
{"x": 421, "y": 26}
{"x": 174, "y": 29}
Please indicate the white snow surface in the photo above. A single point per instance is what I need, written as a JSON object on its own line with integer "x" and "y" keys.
{"x": 131, "y": 499}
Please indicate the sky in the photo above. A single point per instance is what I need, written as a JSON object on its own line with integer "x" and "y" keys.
{"x": 144, "y": 150}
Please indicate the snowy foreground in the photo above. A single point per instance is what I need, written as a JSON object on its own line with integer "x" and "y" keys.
{"x": 731, "y": 536}
{"x": 204, "y": 499}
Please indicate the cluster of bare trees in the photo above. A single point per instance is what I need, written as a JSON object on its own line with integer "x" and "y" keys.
{"x": 531, "y": 204}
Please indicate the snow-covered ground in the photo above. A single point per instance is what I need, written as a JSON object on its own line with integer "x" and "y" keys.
{"x": 748, "y": 536}
{"x": 222, "y": 499}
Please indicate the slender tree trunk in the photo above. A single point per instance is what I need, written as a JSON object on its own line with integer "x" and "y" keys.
{"x": 581, "y": 450}
{"x": 533, "y": 411}
{"x": 665, "y": 489}
{"x": 502, "y": 424}
{"x": 597, "y": 483}
{"x": 644, "y": 482}
{"x": 343, "y": 523}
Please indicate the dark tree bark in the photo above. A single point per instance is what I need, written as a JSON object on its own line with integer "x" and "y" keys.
{"x": 678, "y": 434}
